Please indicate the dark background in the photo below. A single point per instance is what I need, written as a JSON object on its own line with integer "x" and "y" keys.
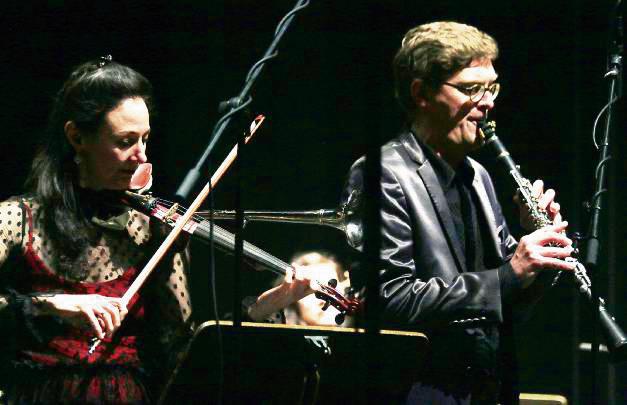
{"x": 327, "y": 92}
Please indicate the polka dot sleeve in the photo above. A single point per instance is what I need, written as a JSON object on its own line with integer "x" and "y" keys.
{"x": 170, "y": 317}
{"x": 171, "y": 314}
{"x": 177, "y": 287}
{"x": 11, "y": 229}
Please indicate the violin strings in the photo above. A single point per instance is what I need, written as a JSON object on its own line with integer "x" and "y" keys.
{"x": 198, "y": 215}
{"x": 179, "y": 210}
{"x": 252, "y": 251}
{"x": 224, "y": 236}
{"x": 227, "y": 238}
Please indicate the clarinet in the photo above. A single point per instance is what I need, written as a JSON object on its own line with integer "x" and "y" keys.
{"x": 614, "y": 336}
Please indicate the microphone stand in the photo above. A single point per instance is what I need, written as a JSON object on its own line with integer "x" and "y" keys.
{"x": 238, "y": 103}
{"x": 592, "y": 247}
{"x": 233, "y": 106}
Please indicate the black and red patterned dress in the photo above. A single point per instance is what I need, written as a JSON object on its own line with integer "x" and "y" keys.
{"x": 45, "y": 359}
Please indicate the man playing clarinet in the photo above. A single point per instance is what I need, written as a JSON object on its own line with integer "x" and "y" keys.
{"x": 449, "y": 265}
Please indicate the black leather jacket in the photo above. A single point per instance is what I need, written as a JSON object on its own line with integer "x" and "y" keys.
{"x": 426, "y": 285}
{"x": 425, "y": 278}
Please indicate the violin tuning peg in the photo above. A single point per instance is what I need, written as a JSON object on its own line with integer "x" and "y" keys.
{"x": 332, "y": 283}
{"x": 339, "y": 318}
{"x": 326, "y": 305}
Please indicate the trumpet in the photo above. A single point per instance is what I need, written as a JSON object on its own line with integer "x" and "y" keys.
{"x": 347, "y": 217}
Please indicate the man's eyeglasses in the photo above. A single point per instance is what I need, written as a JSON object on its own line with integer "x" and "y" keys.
{"x": 477, "y": 91}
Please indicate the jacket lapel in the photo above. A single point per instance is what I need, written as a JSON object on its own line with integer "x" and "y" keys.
{"x": 488, "y": 214}
{"x": 430, "y": 181}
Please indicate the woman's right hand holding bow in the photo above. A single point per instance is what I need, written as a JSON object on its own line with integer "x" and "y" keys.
{"x": 102, "y": 314}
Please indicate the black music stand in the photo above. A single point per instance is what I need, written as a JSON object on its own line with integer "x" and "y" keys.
{"x": 295, "y": 364}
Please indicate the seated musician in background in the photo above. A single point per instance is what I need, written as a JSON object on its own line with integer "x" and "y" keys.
{"x": 308, "y": 310}
{"x": 449, "y": 265}
{"x": 279, "y": 304}
{"x": 67, "y": 255}
{"x": 289, "y": 301}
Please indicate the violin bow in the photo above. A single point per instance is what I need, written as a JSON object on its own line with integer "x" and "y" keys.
{"x": 176, "y": 230}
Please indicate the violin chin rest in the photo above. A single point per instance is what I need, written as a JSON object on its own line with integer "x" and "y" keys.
{"x": 142, "y": 178}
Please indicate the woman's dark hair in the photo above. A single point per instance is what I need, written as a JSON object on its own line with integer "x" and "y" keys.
{"x": 91, "y": 91}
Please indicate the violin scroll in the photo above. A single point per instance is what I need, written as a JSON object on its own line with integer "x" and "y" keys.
{"x": 331, "y": 296}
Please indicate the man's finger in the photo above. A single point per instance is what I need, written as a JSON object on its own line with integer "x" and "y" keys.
{"x": 557, "y": 252}
{"x": 546, "y": 199}
{"x": 537, "y": 188}
{"x": 554, "y": 207}
{"x": 558, "y": 227}
{"x": 557, "y": 264}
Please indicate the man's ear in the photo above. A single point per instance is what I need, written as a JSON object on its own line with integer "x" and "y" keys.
{"x": 418, "y": 93}
{"x": 73, "y": 136}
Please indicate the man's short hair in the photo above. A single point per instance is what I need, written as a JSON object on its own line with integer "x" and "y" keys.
{"x": 434, "y": 52}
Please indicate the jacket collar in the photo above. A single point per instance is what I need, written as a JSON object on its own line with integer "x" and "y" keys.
{"x": 416, "y": 152}
{"x": 410, "y": 143}
{"x": 432, "y": 185}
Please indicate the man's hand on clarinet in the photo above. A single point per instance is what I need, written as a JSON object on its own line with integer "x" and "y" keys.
{"x": 543, "y": 249}
{"x": 546, "y": 202}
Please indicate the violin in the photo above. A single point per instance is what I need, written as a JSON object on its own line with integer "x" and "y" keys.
{"x": 200, "y": 228}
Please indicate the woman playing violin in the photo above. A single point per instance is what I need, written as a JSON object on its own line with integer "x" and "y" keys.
{"x": 66, "y": 257}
